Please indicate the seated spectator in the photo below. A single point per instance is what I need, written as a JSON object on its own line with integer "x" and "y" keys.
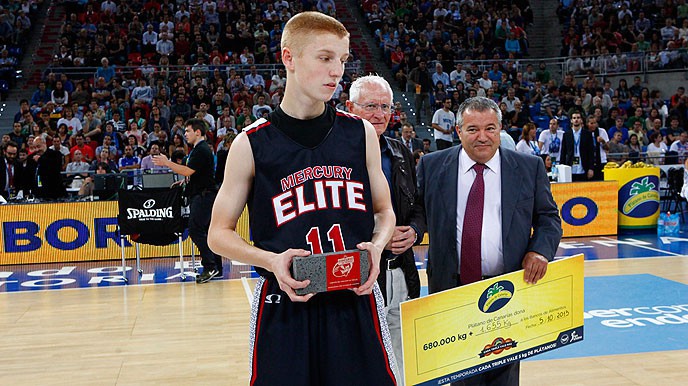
{"x": 88, "y": 186}
{"x": 178, "y": 144}
{"x": 39, "y": 97}
{"x": 253, "y": 79}
{"x": 78, "y": 166}
{"x": 147, "y": 164}
{"x": 656, "y": 150}
{"x": 156, "y": 117}
{"x": 680, "y": 146}
{"x": 117, "y": 123}
{"x": 73, "y": 124}
{"x": 109, "y": 144}
{"x": 59, "y": 95}
{"x": 616, "y": 150}
{"x": 142, "y": 93}
{"x": 157, "y": 135}
{"x": 101, "y": 92}
{"x": 261, "y": 105}
{"x": 87, "y": 152}
{"x": 135, "y": 132}
{"x": 129, "y": 161}
{"x": 278, "y": 80}
{"x": 106, "y": 71}
{"x": 512, "y": 45}
{"x": 92, "y": 127}
{"x": 141, "y": 122}
{"x": 527, "y": 143}
{"x": 327, "y": 7}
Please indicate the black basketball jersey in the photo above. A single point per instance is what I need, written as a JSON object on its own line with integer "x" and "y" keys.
{"x": 316, "y": 199}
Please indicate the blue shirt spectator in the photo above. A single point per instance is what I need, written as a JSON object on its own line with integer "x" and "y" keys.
{"x": 106, "y": 71}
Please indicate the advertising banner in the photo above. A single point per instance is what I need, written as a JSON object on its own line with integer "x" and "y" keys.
{"x": 73, "y": 232}
{"x": 638, "y": 205}
{"x": 587, "y": 208}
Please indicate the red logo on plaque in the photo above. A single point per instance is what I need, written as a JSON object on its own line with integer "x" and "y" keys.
{"x": 343, "y": 271}
{"x": 343, "y": 266}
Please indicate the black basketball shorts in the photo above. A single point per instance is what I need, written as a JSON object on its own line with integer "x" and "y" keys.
{"x": 335, "y": 339}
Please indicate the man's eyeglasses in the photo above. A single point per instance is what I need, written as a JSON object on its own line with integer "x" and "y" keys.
{"x": 372, "y": 107}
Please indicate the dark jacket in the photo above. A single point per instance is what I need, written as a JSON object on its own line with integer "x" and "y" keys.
{"x": 3, "y": 177}
{"x": 407, "y": 213}
{"x": 527, "y": 204}
{"x": 588, "y": 158}
{"x": 47, "y": 169}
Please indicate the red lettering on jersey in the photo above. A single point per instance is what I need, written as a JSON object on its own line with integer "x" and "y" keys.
{"x": 308, "y": 173}
{"x": 287, "y": 183}
{"x": 315, "y": 173}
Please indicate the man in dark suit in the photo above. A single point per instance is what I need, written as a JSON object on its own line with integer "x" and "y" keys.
{"x": 371, "y": 98}
{"x": 46, "y": 166}
{"x": 7, "y": 169}
{"x": 578, "y": 150}
{"x": 495, "y": 196}
{"x": 408, "y": 138}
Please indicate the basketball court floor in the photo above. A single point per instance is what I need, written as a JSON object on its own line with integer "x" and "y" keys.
{"x": 80, "y": 324}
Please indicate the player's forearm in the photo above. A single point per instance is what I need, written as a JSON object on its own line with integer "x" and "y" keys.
{"x": 384, "y": 227}
{"x": 228, "y": 243}
{"x": 179, "y": 169}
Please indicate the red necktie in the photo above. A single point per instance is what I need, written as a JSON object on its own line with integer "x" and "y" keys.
{"x": 470, "y": 270}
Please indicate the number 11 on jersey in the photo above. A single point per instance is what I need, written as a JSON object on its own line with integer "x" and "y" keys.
{"x": 334, "y": 234}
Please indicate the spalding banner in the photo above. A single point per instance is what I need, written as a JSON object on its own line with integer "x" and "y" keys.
{"x": 638, "y": 196}
{"x": 150, "y": 211}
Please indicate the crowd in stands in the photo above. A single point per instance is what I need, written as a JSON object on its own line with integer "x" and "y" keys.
{"x": 618, "y": 36}
{"x": 16, "y": 21}
{"x": 447, "y": 31}
{"x": 531, "y": 99}
{"x": 159, "y": 63}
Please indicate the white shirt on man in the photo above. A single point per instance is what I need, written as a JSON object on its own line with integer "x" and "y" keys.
{"x": 491, "y": 248}
{"x": 546, "y": 138}
{"x": 446, "y": 120}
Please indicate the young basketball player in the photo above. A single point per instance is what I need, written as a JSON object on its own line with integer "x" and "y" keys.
{"x": 313, "y": 182}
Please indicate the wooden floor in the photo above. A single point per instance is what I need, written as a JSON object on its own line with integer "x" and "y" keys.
{"x": 188, "y": 334}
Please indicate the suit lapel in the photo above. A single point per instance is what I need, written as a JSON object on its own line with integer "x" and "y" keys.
{"x": 510, "y": 182}
{"x": 450, "y": 171}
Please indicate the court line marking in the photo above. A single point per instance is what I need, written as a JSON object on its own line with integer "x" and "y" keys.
{"x": 643, "y": 247}
{"x": 247, "y": 289}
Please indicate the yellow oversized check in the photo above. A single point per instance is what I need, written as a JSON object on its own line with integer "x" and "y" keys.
{"x": 474, "y": 328}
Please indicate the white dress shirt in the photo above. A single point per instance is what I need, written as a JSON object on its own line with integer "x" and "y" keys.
{"x": 491, "y": 240}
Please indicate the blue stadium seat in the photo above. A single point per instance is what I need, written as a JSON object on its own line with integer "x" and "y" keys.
{"x": 542, "y": 122}
{"x": 535, "y": 110}
{"x": 15, "y": 52}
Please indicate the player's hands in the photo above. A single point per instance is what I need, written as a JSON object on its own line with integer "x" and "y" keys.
{"x": 402, "y": 239}
{"x": 591, "y": 174}
{"x": 160, "y": 160}
{"x": 535, "y": 266}
{"x": 281, "y": 268}
{"x": 374, "y": 254}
